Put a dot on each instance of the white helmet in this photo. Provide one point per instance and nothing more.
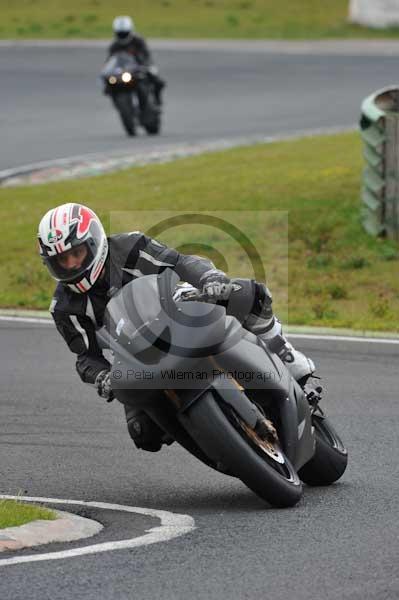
(123, 27)
(68, 227)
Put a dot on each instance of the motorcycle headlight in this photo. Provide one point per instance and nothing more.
(126, 77)
(112, 80)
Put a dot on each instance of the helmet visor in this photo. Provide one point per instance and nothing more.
(70, 266)
(122, 35)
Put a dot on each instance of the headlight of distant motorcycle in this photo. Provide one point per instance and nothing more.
(126, 77)
(112, 80)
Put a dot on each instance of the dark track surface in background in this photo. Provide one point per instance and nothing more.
(57, 439)
(52, 105)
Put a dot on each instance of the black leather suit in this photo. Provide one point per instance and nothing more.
(131, 255)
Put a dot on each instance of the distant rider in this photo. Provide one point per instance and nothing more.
(90, 267)
(126, 40)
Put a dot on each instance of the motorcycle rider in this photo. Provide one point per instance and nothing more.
(126, 40)
(91, 267)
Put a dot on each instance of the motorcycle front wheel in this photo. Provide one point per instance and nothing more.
(231, 443)
(124, 105)
(330, 459)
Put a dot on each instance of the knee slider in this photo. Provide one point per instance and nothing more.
(144, 432)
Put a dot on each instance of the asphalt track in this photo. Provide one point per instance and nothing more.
(52, 106)
(59, 440)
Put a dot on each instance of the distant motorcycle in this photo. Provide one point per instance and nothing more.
(132, 93)
(217, 389)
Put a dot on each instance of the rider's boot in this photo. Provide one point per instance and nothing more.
(159, 85)
(270, 331)
(144, 432)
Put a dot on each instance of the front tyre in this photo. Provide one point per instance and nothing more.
(231, 443)
(124, 105)
(330, 458)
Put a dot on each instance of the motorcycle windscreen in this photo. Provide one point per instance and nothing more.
(117, 63)
(143, 315)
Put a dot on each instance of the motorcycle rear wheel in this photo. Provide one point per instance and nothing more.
(330, 458)
(228, 441)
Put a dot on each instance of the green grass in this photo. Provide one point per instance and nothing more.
(14, 513)
(306, 19)
(336, 275)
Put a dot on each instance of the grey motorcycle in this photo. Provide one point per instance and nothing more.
(218, 390)
(132, 93)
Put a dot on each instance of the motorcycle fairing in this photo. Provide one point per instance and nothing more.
(146, 328)
(118, 62)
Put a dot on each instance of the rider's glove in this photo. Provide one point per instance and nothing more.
(153, 70)
(216, 285)
(103, 385)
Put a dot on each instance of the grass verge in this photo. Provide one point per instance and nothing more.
(298, 201)
(14, 513)
(308, 19)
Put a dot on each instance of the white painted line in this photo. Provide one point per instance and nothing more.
(172, 526)
(60, 162)
(343, 338)
(318, 47)
(43, 321)
(303, 336)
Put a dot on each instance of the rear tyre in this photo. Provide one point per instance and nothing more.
(330, 458)
(123, 104)
(228, 441)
